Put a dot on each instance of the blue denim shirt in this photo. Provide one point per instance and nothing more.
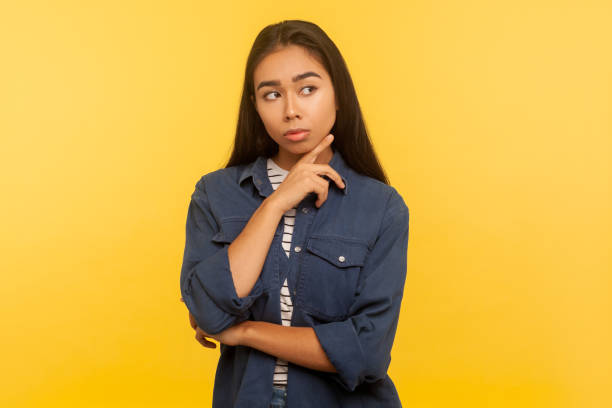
(346, 276)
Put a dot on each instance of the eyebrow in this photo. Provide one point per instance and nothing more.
(294, 79)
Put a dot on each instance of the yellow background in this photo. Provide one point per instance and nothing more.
(492, 119)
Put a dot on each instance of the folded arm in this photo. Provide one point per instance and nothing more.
(297, 345)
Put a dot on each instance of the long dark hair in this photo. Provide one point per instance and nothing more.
(349, 130)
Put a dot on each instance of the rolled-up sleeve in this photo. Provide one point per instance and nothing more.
(206, 282)
(360, 346)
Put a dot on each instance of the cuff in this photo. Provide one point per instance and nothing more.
(342, 346)
(216, 279)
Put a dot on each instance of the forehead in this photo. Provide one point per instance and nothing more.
(285, 63)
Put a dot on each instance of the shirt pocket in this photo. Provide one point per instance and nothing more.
(229, 229)
(329, 274)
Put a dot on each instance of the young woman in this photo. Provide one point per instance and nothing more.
(296, 252)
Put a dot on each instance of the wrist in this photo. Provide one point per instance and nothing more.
(271, 204)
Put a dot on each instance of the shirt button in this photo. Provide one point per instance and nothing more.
(297, 249)
(341, 258)
(305, 210)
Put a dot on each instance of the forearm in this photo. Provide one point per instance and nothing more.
(298, 345)
(247, 253)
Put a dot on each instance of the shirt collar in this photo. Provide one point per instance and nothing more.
(258, 170)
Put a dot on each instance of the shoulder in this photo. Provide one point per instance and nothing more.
(220, 178)
(218, 194)
(371, 208)
(386, 197)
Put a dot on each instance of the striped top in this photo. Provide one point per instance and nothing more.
(276, 175)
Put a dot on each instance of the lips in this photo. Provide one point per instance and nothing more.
(296, 136)
(297, 130)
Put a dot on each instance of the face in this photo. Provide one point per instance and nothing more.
(293, 90)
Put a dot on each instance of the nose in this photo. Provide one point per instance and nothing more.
(290, 108)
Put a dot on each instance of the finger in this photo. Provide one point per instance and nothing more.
(207, 343)
(192, 321)
(182, 300)
(203, 341)
(312, 155)
(329, 171)
(321, 188)
(203, 336)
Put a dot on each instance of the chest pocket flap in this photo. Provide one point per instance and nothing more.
(340, 252)
(230, 229)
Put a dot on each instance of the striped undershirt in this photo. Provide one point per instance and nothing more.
(276, 175)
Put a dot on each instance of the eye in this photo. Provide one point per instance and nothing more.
(265, 96)
(310, 87)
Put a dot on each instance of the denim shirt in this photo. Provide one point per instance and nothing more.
(346, 277)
